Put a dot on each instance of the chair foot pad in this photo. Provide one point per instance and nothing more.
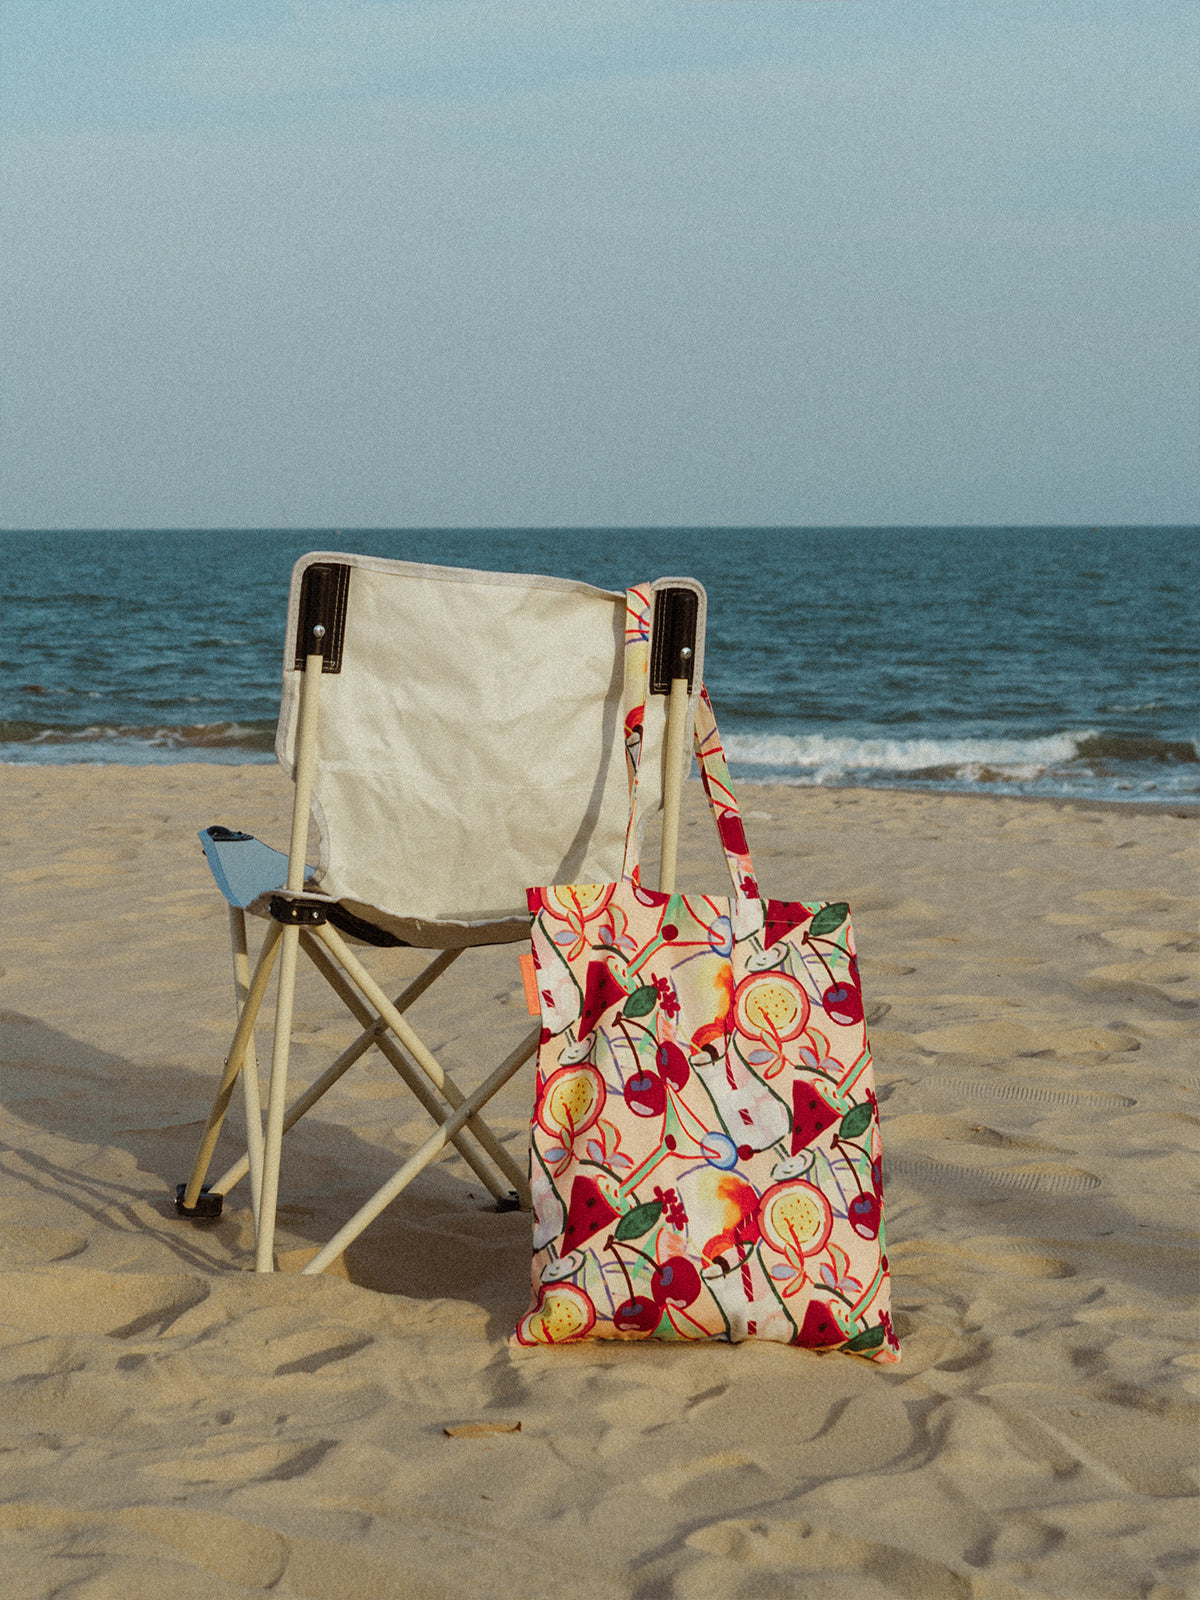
(508, 1202)
(206, 1209)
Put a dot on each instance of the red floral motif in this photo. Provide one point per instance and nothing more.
(668, 998)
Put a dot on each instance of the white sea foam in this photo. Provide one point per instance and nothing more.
(825, 756)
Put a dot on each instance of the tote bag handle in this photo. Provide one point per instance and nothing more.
(714, 770)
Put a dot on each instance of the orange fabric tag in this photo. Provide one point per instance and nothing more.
(529, 979)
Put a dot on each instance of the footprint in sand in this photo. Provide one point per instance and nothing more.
(1014, 1039)
(911, 1129)
(1017, 1257)
(1026, 1094)
(998, 1038)
(1030, 1178)
(969, 1168)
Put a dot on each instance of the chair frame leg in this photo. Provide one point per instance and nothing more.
(421, 1158)
(374, 1034)
(233, 1063)
(250, 1084)
(285, 1005)
(285, 999)
(377, 1032)
(423, 1057)
(305, 1102)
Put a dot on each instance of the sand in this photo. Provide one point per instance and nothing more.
(177, 1426)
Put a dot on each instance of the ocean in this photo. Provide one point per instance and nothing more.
(1060, 662)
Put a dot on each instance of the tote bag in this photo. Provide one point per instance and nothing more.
(704, 1148)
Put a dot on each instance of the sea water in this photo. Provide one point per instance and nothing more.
(1036, 661)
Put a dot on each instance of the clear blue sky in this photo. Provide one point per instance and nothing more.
(429, 262)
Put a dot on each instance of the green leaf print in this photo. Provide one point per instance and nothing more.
(829, 918)
(857, 1120)
(869, 1339)
(641, 1002)
(634, 1224)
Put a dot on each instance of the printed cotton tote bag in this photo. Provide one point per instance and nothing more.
(704, 1149)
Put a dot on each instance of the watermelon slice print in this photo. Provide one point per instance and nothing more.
(587, 1214)
(818, 1328)
(601, 990)
(812, 1115)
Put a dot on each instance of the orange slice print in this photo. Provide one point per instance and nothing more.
(771, 1006)
(578, 901)
(571, 1100)
(795, 1218)
(563, 1313)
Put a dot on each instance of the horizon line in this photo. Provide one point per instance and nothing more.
(615, 527)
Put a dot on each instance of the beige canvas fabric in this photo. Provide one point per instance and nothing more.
(471, 745)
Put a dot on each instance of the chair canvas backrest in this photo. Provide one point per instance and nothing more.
(470, 744)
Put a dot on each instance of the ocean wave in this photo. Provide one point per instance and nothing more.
(912, 756)
(233, 736)
(846, 753)
(1082, 761)
(1134, 747)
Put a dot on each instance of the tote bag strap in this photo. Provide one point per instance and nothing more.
(714, 770)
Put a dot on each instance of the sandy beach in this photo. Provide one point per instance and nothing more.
(176, 1425)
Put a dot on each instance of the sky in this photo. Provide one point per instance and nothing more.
(437, 263)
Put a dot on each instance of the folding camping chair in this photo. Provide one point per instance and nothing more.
(456, 736)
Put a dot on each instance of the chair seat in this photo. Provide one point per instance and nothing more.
(249, 873)
(245, 869)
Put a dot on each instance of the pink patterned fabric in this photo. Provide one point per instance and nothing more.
(704, 1149)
